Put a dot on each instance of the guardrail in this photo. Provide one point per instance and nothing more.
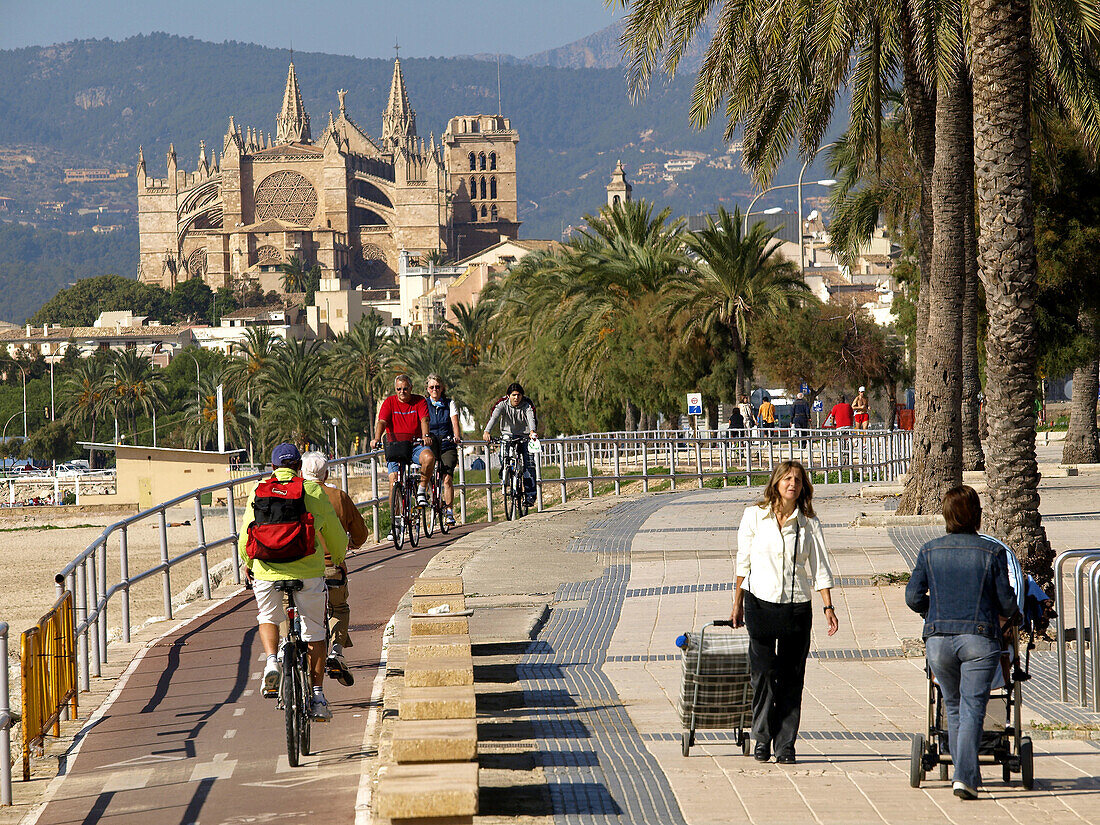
(568, 462)
(48, 677)
(1082, 633)
(5, 720)
(18, 486)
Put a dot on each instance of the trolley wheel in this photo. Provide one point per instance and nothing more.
(746, 745)
(944, 772)
(1006, 771)
(685, 742)
(916, 760)
(1027, 763)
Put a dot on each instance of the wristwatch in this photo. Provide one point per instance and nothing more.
(827, 608)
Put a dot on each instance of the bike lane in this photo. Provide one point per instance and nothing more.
(189, 739)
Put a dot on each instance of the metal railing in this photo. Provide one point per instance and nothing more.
(48, 677)
(1084, 632)
(563, 464)
(5, 720)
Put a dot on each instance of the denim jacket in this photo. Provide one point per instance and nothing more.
(960, 585)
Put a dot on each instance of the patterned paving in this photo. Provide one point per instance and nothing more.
(729, 736)
(596, 764)
(676, 589)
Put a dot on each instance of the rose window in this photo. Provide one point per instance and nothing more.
(286, 196)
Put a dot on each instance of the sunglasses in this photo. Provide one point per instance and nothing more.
(435, 386)
(404, 389)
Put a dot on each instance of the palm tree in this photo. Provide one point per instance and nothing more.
(737, 277)
(84, 395)
(252, 357)
(362, 357)
(1000, 32)
(421, 355)
(201, 414)
(295, 275)
(299, 395)
(133, 387)
(470, 331)
(1081, 445)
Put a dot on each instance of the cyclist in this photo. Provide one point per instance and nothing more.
(445, 430)
(315, 468)
(286, 463)
(404, 416)
(517, 418)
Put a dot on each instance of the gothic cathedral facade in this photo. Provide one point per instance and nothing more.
(343, 201)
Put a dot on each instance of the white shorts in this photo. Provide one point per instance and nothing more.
(310, 601)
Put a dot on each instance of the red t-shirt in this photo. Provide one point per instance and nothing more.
(842, 415)
(403, 420)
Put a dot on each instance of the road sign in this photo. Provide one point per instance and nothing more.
(695, 403)
(818, 405)
(804, 389)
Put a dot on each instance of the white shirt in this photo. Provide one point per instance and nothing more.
(765, 556)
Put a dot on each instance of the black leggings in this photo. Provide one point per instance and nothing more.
(779, 642)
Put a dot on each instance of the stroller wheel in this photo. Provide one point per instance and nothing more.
(944, 772)
(916, 763)
(1006, 771)
(686, 742)
(1027, 764)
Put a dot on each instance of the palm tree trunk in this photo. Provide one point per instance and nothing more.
(1081, 445)
(741, 380)
(938, 430)
(1000, 31)
(972, 455)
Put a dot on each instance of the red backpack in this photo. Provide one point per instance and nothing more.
(282, 530)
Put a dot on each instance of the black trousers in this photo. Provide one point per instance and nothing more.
(779, 642)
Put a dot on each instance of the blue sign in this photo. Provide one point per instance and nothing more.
(804, 389)
(818, 406)
(695, 403)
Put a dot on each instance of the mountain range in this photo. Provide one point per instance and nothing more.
(94, 102)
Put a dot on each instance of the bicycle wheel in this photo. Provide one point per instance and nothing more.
(521, 495)
(414, 511)
(397, 518)
(431, 511)
(509, 493)
(304, 708)
(288, 692)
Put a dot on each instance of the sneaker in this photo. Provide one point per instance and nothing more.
(389, 536)
(318, 709)
(964, 791)
(531, 501)
(272, 673)
(337, 668)
(422, 496)
(450, 518)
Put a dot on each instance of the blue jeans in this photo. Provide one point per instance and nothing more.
(964, 666)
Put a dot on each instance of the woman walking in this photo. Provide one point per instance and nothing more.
(781, 559)
(960, 586)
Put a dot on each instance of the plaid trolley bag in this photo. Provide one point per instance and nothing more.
(715, 691)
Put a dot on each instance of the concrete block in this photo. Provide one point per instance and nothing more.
(1059, 471)
(422, 604)
(424, 647)
(456, 702)
(437, 586)
(439, 671)
(432, 790)
(435, 740)
(439, 626)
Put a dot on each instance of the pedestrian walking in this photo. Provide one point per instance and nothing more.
(737, 421)
(842, 414)
(767, 413)
(859, 409)
(746, 412)
(781, 560)
(960, 586)
(800, 415)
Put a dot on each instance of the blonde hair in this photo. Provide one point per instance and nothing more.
(805, 495)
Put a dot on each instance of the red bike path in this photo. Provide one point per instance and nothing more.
(189, 740)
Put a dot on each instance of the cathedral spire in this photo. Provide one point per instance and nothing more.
(292, 122)
(399, 119)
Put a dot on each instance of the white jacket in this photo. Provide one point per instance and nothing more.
(765, 556)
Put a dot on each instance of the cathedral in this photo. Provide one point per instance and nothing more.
(344, 201)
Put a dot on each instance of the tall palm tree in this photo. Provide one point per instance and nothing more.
(201, 414)
(133, 388)
(84, 395)
(470, 331)
(1000, 40)
(295, 275)
(299, 394)
(251, 358)
(362, 357)
(736, 277)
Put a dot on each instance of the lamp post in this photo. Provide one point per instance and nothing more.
(4, 438)
(801, 234)
(752, 203)
(335, 443)
(198, 394)
(24, 372)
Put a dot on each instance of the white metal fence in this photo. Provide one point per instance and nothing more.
(568, 466)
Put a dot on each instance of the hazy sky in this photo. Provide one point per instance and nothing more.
(362, 29)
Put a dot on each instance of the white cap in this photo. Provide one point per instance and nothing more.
(863, 389)
(314, 466)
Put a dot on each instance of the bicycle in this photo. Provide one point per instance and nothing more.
(403, 507)
(511, 479)
(295, 686)
(436, 512)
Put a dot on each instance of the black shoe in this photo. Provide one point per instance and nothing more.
(762, 752)
(785, 758)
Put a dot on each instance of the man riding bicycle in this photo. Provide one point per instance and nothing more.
(320, 523)
(446, 432)
(517, 419)
(402, 417)
(315, 468)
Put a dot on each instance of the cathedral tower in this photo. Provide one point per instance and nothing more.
(292, 122)
(399, 119)
(618, 191)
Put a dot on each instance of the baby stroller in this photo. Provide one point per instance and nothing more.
(1003, 745)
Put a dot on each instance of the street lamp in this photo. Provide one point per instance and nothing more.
(801, 234)
(335, 443)
(24, 397)
(752, 203)
(198, 394)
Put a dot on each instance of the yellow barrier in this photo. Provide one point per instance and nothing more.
(48, 655)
